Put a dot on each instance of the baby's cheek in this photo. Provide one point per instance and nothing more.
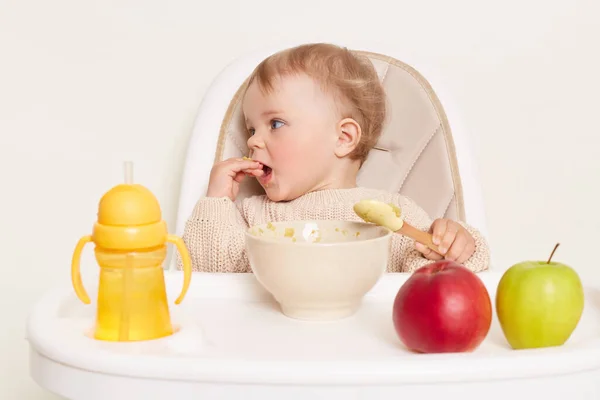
(290, 156)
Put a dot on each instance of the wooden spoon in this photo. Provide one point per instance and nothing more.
(389, 216)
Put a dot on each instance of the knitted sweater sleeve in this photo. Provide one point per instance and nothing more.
(405, 257)
(214, 236)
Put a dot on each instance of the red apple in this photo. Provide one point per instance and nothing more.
(442, 307)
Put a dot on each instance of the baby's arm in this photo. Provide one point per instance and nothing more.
(406, 258)
(214, 236)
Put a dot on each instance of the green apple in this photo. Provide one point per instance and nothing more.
(539, 303)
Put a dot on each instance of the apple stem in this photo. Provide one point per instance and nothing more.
(551, 254)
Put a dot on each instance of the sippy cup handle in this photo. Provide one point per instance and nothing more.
(75, 273)
(187, 267)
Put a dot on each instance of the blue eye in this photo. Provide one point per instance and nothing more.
(275, 124)
(251, 131)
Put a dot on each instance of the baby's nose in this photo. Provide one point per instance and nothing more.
(255, 142)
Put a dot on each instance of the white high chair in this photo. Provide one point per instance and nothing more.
(233, 342)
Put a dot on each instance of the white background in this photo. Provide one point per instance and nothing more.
(86, 84)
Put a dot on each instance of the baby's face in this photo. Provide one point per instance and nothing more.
(293, 133)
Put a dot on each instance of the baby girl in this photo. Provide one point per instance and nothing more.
(312, 113)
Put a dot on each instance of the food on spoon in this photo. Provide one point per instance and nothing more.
(289, 232)
(390, 216)
(380, 213)
(443, 307)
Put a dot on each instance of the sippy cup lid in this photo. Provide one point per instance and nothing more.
(128, 204)
(129, 217)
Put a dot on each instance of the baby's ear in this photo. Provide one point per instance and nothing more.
(349, 134)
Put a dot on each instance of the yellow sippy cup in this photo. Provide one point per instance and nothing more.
(130, 238)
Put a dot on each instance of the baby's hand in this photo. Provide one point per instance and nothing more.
(453, 240)
(226, 176)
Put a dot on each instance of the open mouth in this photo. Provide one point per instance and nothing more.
(266, 177)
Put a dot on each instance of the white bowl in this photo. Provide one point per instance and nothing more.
(318, 270)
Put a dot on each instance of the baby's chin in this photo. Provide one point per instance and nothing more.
(277, 195)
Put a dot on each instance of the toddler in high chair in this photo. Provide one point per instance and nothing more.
(312, 113)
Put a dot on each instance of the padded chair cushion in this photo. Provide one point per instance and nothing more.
(415, 155)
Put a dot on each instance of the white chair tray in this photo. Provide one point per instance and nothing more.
(232, 341)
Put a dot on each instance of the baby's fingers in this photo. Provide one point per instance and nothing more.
(448, 238)
(439, 230)
(235, 167)
(240, 164)
(467, 252)
(457, 249)
(427, 252)
(254, 172)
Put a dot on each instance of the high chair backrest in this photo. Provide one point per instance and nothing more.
(422, 153)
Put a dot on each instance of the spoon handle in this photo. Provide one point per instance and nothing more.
(419, 236)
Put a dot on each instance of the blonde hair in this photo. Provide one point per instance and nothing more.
(351, 76)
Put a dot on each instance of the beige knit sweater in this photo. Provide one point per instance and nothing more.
(214, 233)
